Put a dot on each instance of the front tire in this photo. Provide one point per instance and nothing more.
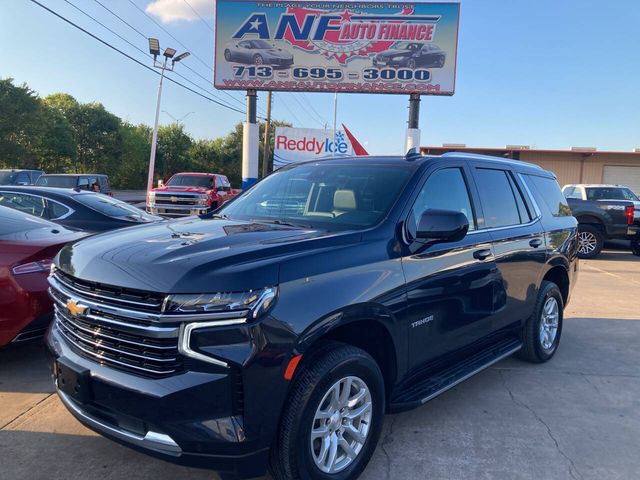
(411, 63)
(333, 416)
(542, 330)
(590, 241)
(227, 55)
(258, 60)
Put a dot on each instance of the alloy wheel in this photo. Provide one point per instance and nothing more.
(341, 424)
(587, 243)
(549, 323)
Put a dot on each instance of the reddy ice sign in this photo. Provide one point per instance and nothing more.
(337, 46)
(301, 144)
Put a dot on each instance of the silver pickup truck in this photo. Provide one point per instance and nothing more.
(604, 212)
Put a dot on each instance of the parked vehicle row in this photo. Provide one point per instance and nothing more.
(604, 212)
(260, 336)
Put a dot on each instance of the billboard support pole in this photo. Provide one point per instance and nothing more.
(335, 117)
(250, 141)
(265, 145)
(412, 137)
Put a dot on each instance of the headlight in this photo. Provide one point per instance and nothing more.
(397, 59)
(254, 302)
(151, 196)
(203, 199)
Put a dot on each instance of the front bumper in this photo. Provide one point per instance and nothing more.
(177, 210)
(389, 63)
(192, 418)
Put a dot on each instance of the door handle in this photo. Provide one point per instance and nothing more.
(482, 254)
(535, 243)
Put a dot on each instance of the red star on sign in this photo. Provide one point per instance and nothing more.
(346, 16)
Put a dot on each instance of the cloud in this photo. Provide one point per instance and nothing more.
(173, 10)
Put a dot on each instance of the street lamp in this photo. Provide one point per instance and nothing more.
(154, 49)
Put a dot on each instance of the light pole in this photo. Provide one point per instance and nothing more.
(154, 49)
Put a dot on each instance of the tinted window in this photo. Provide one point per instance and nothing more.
(7, 178)
(497, 197)
(56, 210)
(572, 192)
(23, 179)
(445, 189)
(331, 196)
(59, 182)
(547, 192)
(112, 208)
(524, 212)
(610, 193)
(25, 203)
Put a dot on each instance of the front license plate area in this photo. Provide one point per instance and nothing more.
(73, 380)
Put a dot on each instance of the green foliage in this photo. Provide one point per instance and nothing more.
(58, 134)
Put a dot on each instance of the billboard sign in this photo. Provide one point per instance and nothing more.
(371, 47)
(293, 145)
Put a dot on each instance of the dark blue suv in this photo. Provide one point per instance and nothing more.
(278, 330)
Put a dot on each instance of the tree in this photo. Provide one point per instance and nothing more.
(20, 124)
(172, 151)
(95, 131)
(56, 150)
(131, 173)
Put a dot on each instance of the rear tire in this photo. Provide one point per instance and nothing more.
(334, 370)
(540, 338)
(590, 241)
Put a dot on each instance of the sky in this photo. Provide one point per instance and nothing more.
(544, 73)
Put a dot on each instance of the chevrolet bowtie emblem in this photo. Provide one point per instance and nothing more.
(174, 199)
(76, 308)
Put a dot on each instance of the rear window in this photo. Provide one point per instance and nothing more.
(610, 193)
(112, 208)
(498, 198)
(14, 221)
(58, 182)
(547, 192)
(7, 178)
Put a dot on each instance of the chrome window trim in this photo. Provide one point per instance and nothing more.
(70, 211)
(184, 345)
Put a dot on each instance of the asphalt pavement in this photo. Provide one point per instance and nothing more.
(576, 417)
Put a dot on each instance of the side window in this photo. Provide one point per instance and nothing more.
(523, 210)
(547, 192)
(83, 183)
(497, 196)
(56, 210)
(26, 203)
(445, 189)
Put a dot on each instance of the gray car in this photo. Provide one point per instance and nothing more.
(257, 52)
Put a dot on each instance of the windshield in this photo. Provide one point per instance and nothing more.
(326, 196)
(190, 181)
(58, 182)
(7, 178)
(261, 44)
(113, 208)
(613, 193)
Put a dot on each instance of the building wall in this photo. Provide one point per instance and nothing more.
(572, 167)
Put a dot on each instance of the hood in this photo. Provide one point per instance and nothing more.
(279, 53)
(181, 189)
(394, 53)
(194, 255)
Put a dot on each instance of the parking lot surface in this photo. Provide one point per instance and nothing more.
(576, 417)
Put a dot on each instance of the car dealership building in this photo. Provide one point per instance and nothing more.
(577, 165)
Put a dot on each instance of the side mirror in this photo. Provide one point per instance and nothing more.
(442, 226)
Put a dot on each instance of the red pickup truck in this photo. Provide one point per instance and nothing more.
(190, 194)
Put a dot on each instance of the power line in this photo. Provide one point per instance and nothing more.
(290, 111)
(199, 16)
(308, 114)
(308, 102)
(121, 19)
(107, 44)
(146, 54)
(209, 67)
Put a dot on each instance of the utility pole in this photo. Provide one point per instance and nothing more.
(154, 49)
(335, 118)
(266, 154)
(250, 142)
(412, 137)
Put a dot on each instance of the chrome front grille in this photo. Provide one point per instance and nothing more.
(115, 327)
(176, 199)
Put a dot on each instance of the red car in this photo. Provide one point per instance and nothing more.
(190, 194)
(27, 245)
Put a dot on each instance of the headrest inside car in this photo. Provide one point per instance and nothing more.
(344, 200)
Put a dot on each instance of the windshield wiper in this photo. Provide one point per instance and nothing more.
(281, 222)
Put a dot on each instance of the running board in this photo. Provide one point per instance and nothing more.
(422, 391)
